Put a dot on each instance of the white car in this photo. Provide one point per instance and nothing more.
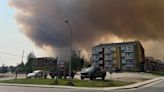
(36, 74)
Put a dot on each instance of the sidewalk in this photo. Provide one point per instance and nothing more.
(136, 85)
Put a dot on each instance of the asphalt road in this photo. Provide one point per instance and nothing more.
(157, 87)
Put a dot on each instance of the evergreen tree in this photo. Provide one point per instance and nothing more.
(30, 62)
(77, 62)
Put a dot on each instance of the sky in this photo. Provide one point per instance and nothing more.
(13, 42)
(38, 26)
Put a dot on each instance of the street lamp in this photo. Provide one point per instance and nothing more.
(67, 22)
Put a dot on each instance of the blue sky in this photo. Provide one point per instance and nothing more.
(12, 41)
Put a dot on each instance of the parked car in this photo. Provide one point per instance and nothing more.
(37, 74)
(92, 72)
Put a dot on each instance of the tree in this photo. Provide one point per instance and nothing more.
(86, 64)
(77, 61)
(21, 68)
(4, 69)
(30, 62)
(11, 69)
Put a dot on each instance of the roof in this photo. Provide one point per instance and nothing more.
(46, 58)
(118, 44)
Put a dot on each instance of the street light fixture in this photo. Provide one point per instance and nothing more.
(67, 22)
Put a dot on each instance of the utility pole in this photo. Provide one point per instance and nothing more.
(16, 72)
(70, 29)
(22, 56)
(79, 53)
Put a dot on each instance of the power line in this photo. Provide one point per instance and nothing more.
(13, 47)
(16, 44)
(10, 54)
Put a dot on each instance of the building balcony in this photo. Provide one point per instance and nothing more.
(101, 62)
(108, 58)
(123, 54)
(108, 65)
(94, 59)
(128, 50)
(108, 52)
(129, 57)
(95, 52)
(129, 65)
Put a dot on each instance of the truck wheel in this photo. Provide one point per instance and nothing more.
(82, 78)
(91, 78)
(103, 77)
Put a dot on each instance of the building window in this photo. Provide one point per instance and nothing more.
(123, 48)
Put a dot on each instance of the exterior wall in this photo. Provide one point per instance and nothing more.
(125, 56)
(118, 56)
(95, 56)
(139, 57)
(153, 65)
(110, 57)
(161, 66)
(46, 63)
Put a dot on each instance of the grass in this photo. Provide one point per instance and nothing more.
(3, 76)
(144, 79)
(158, 73)
(64, 82)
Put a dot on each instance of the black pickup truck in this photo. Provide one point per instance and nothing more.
(92, 72)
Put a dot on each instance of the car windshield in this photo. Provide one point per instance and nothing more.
(89, 68)
(37, 71)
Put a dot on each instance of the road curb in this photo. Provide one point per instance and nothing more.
(132, 86)
(137, 85)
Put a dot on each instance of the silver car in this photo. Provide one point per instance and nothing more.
(37, 74)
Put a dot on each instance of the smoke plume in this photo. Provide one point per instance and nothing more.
(93, 22)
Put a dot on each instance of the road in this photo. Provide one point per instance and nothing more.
(156, 87)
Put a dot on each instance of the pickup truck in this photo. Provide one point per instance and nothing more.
(92, 72)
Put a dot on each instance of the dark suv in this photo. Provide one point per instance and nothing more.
(92, 72)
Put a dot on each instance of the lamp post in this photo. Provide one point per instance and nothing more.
(70, 28)
(16, 72)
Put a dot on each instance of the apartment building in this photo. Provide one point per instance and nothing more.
(127, 56)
